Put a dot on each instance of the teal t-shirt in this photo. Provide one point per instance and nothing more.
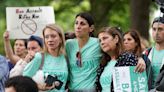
(83, 78)
(157, 57)
(55, 66)
(106, 76)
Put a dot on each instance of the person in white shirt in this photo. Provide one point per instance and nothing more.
(34, 44)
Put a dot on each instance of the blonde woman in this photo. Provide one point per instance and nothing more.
(55, 64)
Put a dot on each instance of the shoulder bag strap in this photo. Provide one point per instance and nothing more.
(42, 62)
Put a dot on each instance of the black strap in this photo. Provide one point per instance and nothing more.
(147, 51)
(41, 65)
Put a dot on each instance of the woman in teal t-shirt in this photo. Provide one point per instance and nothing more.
(84, 55)
(112, 46)
(54, 60)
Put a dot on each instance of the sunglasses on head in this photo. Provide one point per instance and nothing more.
(158, 19)
(78, 59)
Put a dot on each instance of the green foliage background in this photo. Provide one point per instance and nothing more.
(65, 11)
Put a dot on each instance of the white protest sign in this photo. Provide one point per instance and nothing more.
(126, 80)
(25, 21)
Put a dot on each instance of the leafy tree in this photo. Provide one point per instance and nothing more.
(110, 12)
(121, 13)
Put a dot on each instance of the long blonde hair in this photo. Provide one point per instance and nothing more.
(59, 30)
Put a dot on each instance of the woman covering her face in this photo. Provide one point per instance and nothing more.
(83, 54)
(55, 64)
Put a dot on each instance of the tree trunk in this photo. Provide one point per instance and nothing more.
(100, 11)
(140, 16)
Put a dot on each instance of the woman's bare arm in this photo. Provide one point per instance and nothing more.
(8, 49)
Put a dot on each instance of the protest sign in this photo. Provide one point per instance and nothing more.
(23, 22)
(126, 80)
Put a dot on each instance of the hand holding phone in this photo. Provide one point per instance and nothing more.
(58, 84)
(51, 79)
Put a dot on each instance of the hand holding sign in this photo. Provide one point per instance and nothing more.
(6, 35)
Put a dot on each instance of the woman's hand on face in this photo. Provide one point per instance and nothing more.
(141, 66)
(29, 56)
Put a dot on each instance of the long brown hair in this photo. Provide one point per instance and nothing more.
(136, 36)
(113, 31)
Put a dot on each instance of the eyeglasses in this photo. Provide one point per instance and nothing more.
(78, 59)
